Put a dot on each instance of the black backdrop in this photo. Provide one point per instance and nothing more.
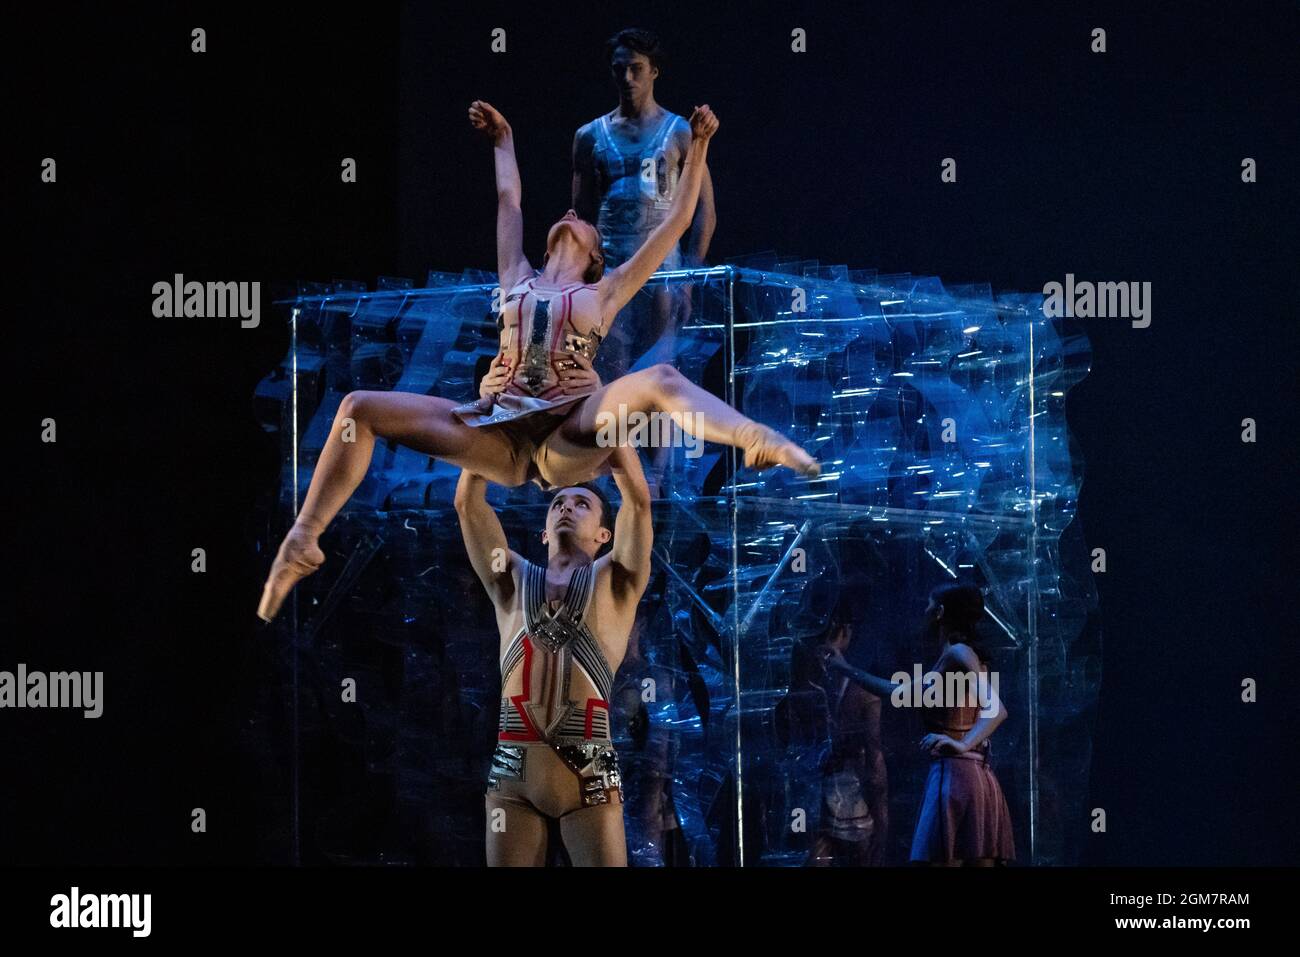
(1122, 166)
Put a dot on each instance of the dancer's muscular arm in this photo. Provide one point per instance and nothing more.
(512, 264)
(585, 198)
(485, 540)
(705, 222)
(621, 284)
(706, 214)
(633, 529)
(878, 686)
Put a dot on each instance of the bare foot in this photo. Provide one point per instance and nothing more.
(298, 557)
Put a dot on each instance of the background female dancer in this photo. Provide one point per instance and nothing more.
(964, 817)
(533, 429)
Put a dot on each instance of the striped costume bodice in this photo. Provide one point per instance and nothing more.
(555, 681)
(538, 333)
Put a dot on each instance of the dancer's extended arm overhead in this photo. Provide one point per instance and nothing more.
(512, 264)
(485, 541)
(633, 529)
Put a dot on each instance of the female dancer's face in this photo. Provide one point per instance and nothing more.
(579, 230)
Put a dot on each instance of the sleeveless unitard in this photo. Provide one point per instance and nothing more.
(636, 188)
(555, 691)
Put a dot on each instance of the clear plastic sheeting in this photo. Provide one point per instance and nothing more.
(938, 416)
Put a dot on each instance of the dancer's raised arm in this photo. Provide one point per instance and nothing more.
(621, 284)
(485, 540)
(512, 264)
(633, 529)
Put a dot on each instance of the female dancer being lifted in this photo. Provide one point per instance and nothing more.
(544, 424)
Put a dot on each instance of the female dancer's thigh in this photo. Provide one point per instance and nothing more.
(634, 392)
(577, 449)
(426, 424)
(561, 461)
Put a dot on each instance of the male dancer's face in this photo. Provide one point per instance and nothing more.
(633, 75)
(574, 521)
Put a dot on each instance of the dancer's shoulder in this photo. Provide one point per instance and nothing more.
(525, 279)
(961, 654)
(588, 130)
(678, 129)
(679, 123)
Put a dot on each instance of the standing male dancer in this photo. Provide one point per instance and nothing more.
(625, 169)
(564, 630)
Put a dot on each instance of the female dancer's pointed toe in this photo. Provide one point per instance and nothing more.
(272, 599)
(299, 556)
(765, 447)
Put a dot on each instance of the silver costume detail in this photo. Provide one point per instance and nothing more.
(596, 765)
(507, 762)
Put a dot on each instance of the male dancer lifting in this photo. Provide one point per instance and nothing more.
(564, 629)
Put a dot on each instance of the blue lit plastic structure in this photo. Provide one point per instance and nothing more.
(938, 416)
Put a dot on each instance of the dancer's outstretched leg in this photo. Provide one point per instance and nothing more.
(421, 422)
(661, 388)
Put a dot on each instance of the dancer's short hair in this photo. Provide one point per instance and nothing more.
(963, 607)
(606, 510)
(839, 617)
(638, 41)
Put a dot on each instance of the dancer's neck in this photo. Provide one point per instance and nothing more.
(640, 110)
(563, 559)
(566, 263)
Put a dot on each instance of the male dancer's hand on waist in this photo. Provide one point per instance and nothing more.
(497, 377)
(577, 375)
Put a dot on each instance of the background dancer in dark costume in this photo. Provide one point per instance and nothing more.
(854, 825)
(963, 817)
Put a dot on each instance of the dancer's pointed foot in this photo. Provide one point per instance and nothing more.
(765, 447)
(298, 557)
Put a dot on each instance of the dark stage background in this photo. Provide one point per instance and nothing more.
(1122, 166)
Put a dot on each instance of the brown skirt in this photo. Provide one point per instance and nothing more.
(964, 814)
